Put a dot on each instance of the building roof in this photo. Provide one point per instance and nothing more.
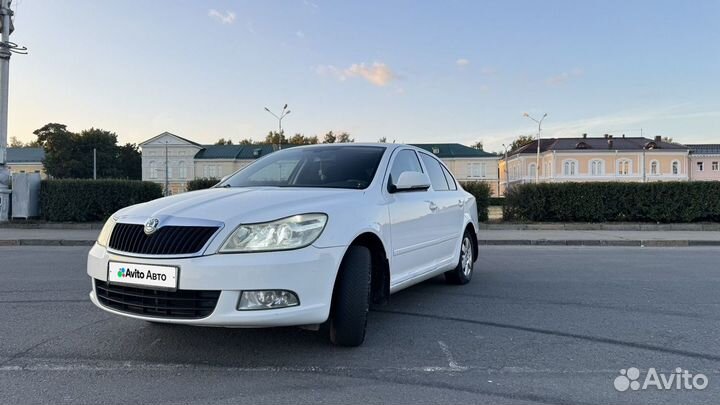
(704, 148)
(25, 155)
(597, 143)
(453, 150)
(170, 134)
(236, 151)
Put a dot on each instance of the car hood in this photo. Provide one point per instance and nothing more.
(240, 205)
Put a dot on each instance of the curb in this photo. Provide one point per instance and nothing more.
(580, 226)
(51, 225)
(46, 242)
(595, 242)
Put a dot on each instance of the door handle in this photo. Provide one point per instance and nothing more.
(461, 203)
(433, 206)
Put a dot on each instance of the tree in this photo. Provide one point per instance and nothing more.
(300, 139)
(70, 155)
(222, 141)
(382, 140)
(344, 138)
(478, 145)
(16, 143)
(129, 162)
(275, 138)
(521, 141)
(246, 141)
(60, 150)
(105, 145)
(329, 137)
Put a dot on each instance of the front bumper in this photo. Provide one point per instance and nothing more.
(309, 272)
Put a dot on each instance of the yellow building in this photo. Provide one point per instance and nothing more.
(607, 158)
(26, 160)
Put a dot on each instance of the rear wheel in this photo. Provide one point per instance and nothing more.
(462, 273)
(351, 298)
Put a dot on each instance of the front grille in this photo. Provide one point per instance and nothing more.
(168, 240)
(180, 304)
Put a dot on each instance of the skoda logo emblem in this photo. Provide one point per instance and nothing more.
(151, 226)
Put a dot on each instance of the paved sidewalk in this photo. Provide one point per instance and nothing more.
(74, 237)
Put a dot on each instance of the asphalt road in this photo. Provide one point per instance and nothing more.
(537, 324)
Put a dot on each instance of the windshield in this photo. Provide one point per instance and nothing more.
(325, 167)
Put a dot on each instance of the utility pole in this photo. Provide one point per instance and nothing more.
(167, 181)
(282, 115)
(507, 172)
(6, 49)
(537, 160)
(94, 163)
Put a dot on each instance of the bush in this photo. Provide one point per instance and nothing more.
(497, 201)
(613, 201)
(92, 200)
(481, 191)
(202, 183)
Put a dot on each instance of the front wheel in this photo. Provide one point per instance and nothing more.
(462, 273)
(351, 298)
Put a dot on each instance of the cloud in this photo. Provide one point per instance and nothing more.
(310, 4)
(225, 18)
(300, 34)
(462, 62)
(564, 77)
(378, 73)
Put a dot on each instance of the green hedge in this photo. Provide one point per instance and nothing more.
(613, 201)
(81, 200)
(481, 191)
(497, 201)
(202, 183)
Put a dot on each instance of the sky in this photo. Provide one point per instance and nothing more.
(411, 71)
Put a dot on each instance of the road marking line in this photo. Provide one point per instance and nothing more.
(448, 355)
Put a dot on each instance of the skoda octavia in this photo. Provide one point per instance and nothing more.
(308, 236)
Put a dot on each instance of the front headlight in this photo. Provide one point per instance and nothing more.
(104, 237)
(283, 234)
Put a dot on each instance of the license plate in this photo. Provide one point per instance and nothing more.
(143, 275)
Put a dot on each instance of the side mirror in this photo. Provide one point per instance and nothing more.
(411, 181)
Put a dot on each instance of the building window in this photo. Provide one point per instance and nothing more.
(654, 167)
(624, 167)
(569, 168)
(211, 171)
(597, 167)
(675, 167)
(548, 171)
(532, 170)
(182, 170)
(476, 169)
(715, 166)
(153, 170)
(700, 166)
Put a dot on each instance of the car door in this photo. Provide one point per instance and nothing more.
(448, 214)
(411, 227)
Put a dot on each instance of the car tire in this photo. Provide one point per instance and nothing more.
(462, 273)
(351, 298)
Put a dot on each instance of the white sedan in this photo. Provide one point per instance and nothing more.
(305, 236)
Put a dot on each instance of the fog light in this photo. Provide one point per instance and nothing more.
(267, 299)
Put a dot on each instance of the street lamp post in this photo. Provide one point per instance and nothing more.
(280, 117)
(537, 160)
(6, 49)
(167, 180)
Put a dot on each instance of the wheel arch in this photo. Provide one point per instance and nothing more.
(380, 276)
